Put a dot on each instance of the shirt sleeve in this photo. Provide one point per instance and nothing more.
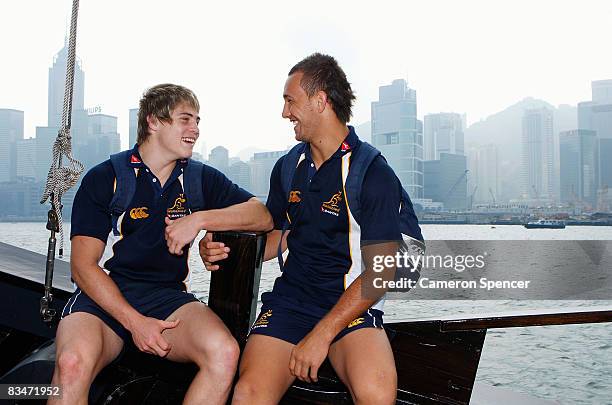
(276, 202)
(90, 212)
(380, 203)
(221, 192)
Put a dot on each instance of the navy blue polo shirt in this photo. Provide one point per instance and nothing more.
(140, 253)
(320, 251)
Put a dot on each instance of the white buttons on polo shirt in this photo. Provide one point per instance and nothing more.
(154, 180)
(312, 165)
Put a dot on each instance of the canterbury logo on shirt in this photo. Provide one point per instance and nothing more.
(355, 322)
(139, 213)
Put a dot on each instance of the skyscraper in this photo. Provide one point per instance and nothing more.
(219, 159)
(444, 133)
(398, 134)
(578, 158)
(601, 91)
(604, 172)
(103, 139)
(240, 173)
(133, 135)
(26, 159)
(538, 178)
(55, 107)
(484, 176)
(262, 164)
(11, 131)
(446, 181)
(596, 115)
(45, 137)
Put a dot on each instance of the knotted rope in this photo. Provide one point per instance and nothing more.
(61, 178)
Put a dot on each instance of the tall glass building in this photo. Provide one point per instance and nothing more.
(398, 134)
(444, 133)
(596, 115)
(578, 161)
(11, 131)
(57, 85)
(133, 128)
(538, 177)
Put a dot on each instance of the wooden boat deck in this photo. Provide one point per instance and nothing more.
(31, 266)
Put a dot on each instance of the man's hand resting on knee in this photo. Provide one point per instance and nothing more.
(147, 334)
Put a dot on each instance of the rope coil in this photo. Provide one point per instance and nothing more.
(61, 178)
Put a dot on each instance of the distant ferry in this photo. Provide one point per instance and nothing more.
(545, 224)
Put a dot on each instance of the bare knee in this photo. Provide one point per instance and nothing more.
(245, 392)
(72, 368)
(221, 356)
(381, 389)
(381, 393)
(227, 353)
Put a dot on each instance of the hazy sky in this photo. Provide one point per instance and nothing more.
(473, 57)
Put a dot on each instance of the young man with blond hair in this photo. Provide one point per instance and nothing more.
(136, 292)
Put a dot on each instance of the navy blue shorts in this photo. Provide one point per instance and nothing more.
(290, 321)
(147, 298)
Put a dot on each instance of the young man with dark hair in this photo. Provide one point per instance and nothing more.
(317, 308)
(135, 291)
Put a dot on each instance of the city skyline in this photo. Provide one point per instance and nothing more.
(476, 74)
(595, 112)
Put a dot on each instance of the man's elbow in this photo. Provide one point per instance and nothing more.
(263, 219)
(75, 272)
(264, 222)
(267, 224)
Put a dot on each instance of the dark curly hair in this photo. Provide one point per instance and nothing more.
(322, 73)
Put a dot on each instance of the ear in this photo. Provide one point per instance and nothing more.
(153, 122)
(321, 98)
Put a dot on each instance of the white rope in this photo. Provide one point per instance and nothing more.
(61, 178)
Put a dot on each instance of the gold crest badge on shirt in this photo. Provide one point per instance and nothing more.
(178, 210)
(331, 206)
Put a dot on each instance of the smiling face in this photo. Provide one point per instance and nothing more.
(299, 108)
(178, 136)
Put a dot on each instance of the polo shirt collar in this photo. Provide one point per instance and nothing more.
(134, 159)
(349, 143)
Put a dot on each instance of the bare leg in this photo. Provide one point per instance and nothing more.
(364, 362)
(264, 371)
(202, 338)
(84, 346)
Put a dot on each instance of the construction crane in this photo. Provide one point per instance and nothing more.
(492, 195)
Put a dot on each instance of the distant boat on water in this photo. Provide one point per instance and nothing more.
(545, 224)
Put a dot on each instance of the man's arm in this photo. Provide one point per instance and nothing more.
(251, 215)
(87, 274)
